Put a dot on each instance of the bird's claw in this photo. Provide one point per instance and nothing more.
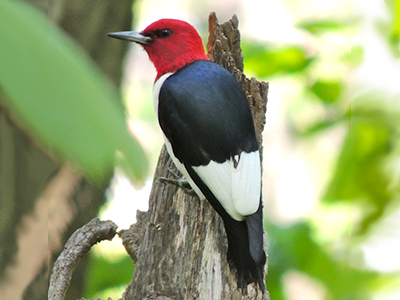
(178, 181)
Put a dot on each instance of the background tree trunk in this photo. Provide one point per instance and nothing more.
(39, 193)
(179, 245)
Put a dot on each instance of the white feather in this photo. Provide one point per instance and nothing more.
(246, 183)
(156, 90)
(182, 169)
(237, 189)
(236, 183)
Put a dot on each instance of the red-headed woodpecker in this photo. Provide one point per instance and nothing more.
(209, 133)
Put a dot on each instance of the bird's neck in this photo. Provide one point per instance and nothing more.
(171, 63)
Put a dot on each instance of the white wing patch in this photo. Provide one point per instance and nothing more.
(236, 183)
(237, 189)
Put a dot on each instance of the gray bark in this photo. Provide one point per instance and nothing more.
(80, 242)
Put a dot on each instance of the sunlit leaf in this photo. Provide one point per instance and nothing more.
(108, 274)
(61, 97)
(319, 126)
(293, 248)
(360, 173)
(327, 91)
(318, 27)
(396, 27)
(354, 57)
(265, 61)
(391, 28)
(364, 144)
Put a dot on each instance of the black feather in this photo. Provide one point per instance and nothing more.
(205, 115)
(245, 243)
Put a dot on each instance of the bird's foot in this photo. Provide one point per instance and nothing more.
(178, 181)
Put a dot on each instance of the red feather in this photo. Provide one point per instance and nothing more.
(182, 47)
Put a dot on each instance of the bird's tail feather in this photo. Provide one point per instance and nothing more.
(255, 231)
(245, 250)
(245, 239)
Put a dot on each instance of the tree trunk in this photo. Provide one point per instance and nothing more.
(179, 245)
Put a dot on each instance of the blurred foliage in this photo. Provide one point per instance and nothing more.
(108, 275)
(327, 91)
(360, 174)
(321, 26)
(266, 61)
(360, 180)
(61, 98)
(294, 248)
(391, 29)
(354, 57)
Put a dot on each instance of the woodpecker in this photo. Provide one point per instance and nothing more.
(209, 133)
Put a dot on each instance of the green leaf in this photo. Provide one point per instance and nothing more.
(354, 57)
(317, 127)
(108, 274)
(318, 27)
(266, 61)
(293, 248)
(327, 91)
(60, 97)
(360, 173)
(393, 32)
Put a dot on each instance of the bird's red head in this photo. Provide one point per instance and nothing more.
(170, 44)
(174, 44)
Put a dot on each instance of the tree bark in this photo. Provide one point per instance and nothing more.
(179, 245)
(80, 242)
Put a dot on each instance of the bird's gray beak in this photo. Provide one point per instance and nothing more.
(131, 36)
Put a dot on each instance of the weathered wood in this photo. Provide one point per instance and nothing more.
(80, 242)
(179, 245)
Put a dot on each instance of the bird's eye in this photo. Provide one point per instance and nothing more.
(164, 33)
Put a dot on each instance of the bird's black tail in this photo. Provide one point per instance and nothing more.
(245, 239)
(245, 249)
